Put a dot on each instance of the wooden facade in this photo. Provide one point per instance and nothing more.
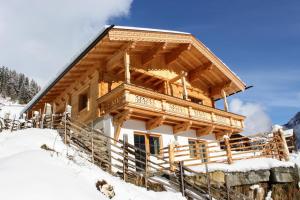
(155, 76)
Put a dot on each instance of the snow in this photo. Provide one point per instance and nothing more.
(269, 195)
(30, 173)
(6, 106)
(148, 29)
(244, 165)
(295, 157)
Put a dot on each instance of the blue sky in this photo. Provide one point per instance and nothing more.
(258, 39)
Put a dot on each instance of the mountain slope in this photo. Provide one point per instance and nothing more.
(294, 123)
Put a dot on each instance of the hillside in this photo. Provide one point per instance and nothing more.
(31, 173)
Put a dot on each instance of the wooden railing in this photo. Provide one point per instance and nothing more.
(225, 152)
(145, 99)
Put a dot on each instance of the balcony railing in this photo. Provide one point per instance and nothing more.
(132, 96)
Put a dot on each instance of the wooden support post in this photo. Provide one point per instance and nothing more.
(171, 157)
(228, 149)
(183, 81)
(225, 100)
(127, 67)
(276, 138)
(285, 148)
(125, 156)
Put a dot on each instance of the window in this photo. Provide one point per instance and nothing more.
(198, 150)
(154, 144)
(196, 100)
(193, 148)
(83, 101)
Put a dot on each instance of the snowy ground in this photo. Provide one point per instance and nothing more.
(30, 173)
(6, 106)
(245, 165)
(295, 157)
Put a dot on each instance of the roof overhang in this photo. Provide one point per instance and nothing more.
(128, 35)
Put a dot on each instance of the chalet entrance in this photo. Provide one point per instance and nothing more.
(140, 155)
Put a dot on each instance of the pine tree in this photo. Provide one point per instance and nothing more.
(17, 86)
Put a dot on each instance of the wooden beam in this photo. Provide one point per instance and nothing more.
(205, 131)
(127, 67)
(182, 127)
(115, 59)
(171, 57)
(179, 76)
(225, 100)
(155, 122)
(118, 121)
(199, 71)
(183, 81)
(150, 55)
(217, 90)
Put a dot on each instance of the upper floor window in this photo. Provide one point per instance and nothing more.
(83, 101)
(196, 100)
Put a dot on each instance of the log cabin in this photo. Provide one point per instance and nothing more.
(158, 87)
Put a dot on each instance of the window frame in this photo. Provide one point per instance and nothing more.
(147, 142)
(200, 154)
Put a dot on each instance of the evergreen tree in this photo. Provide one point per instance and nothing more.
(17, 86)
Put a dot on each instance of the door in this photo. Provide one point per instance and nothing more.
(140, 155)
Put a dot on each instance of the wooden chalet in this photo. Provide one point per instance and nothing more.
(159, 87)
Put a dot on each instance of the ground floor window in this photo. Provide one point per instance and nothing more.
(154, 144)
(198, 149)
(150, 143)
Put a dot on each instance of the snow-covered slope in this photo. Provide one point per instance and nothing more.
(6, 106)
(28, 172)
(294, 123)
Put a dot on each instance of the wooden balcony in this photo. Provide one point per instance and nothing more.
(130, 101)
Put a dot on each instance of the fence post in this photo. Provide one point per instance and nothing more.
(228, 149)
(125, 156)
(65, 126)
(92, 142)
(208, 181)
(171, 157)
(285, 149)
(181, 178)
(146, 172)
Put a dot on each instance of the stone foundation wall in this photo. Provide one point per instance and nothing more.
(278, 183)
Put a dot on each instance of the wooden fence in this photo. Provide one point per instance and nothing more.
(120, 158)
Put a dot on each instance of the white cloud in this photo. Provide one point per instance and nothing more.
(39, 37)
(257, 120)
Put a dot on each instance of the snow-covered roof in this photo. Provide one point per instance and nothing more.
(149, 29)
